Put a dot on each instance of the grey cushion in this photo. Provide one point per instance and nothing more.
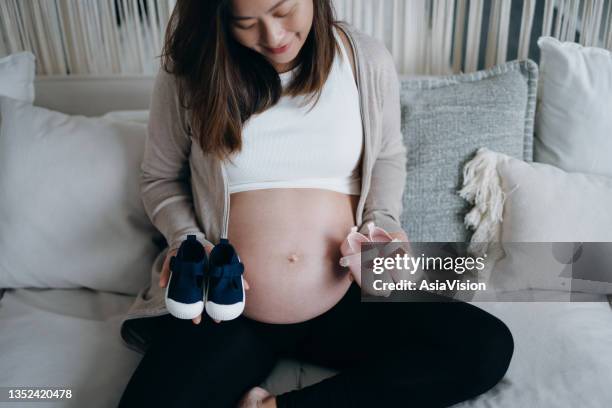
(444, 121)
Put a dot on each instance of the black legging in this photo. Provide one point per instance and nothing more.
(417, 354)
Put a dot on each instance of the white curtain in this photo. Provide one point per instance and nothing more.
(86, 37)
(106, 37)
(443, 36)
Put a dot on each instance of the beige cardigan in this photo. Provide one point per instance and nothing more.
(179, 205)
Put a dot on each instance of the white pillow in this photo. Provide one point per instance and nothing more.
(574, 115)
(70, 208)
(138, 116)
(17, 73)
(531, 210)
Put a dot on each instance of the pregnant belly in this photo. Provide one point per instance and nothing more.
(289, 241)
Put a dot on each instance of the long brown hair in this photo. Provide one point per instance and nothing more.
(223, 83)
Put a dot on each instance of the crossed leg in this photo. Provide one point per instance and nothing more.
(425, 354)
(205, 365)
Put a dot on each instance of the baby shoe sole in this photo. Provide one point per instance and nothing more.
(183, 310)
(225, 312)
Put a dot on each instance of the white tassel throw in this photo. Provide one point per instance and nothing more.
(482, 187)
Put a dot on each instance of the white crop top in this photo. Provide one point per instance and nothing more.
(287, 146)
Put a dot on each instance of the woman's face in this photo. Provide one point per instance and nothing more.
(277, 29)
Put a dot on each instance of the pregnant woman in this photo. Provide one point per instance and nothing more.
(277, 127)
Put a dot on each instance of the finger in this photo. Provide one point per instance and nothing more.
(163, 280)
(197, 320)
(246, 285)
(217, 321)
(165, 274)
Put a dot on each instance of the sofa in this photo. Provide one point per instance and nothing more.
(60, 316)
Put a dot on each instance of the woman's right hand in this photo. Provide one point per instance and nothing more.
(165, 274)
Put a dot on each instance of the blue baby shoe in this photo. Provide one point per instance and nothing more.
(225, 288)
(185, 291)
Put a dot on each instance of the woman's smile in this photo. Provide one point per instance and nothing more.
(279, 50)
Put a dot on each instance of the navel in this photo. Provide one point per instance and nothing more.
(293, 257)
